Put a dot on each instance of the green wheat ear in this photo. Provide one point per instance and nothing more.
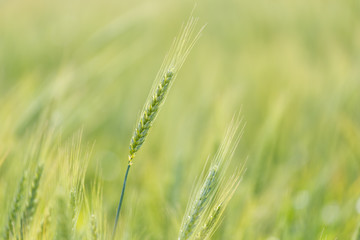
(149, 114)
(209, 201)
(31, 202)
(210, 222)
(94, 228)
(15, 209)
(200, 203)
(163, 81)
(224, 195)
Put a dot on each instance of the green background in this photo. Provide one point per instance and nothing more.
(292, 67)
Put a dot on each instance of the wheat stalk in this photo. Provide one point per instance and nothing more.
(163, 81)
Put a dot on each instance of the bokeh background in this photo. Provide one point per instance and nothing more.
(292, 67)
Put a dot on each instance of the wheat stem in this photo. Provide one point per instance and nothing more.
(121, 200)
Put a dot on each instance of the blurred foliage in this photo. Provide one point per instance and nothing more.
(292, 66)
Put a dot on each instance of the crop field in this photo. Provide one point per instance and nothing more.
(231, 120)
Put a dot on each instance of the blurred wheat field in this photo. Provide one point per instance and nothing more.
(293, 67)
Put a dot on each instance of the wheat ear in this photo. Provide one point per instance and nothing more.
(31, 202)
(165, 77)
(201, 202)
(210, 222)
(94, 227)
(214, 217)
(15, 208)
(214, 192)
